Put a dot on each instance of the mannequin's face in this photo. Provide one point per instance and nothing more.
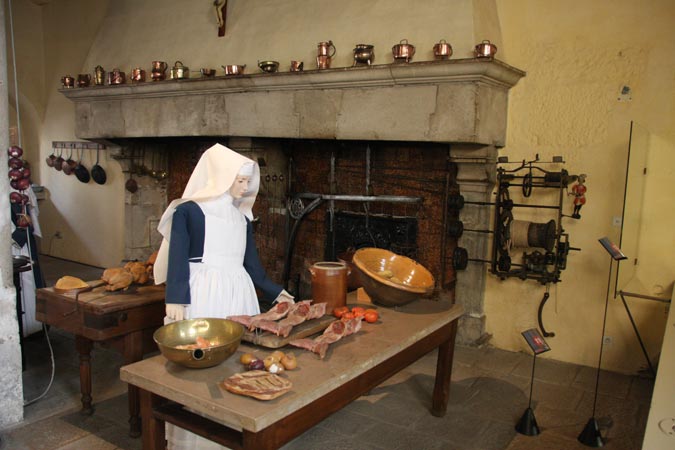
(240, 186)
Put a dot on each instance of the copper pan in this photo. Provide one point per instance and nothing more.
(234, 69)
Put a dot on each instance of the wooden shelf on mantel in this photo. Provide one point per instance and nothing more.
(493, 72)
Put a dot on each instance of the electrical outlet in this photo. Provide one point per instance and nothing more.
(616, 221)
(607, 340)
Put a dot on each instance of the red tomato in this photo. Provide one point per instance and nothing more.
(340, 311)
(371, 316)
(358, 311)
(347, 316)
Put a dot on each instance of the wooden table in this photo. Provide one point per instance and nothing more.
(352, 367)
(124, 320)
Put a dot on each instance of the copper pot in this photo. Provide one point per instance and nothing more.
(323, 62)
(137, 75)
(116, 77)
(83, 80)
(326, 49)
(234, 69)
(442, 50)
(403, 51)
(485, 50)
(297, 66)
(68, 81)
(329, 283)
(158, 70)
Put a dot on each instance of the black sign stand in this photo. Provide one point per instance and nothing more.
(590, 435)
(527, 424)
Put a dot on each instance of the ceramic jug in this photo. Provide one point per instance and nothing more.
(329, 284)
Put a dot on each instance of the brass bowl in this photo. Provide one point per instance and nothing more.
(268, 66)
(224, 334)
(390, 279)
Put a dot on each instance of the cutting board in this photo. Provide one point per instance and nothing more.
(269, 340)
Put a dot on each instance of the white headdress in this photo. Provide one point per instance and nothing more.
(213, 176)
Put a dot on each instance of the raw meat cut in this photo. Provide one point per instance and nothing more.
(335, 331)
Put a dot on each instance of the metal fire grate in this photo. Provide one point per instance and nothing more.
(353, 230)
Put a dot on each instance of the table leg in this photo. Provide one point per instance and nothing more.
(153, 428)
(446, 353)
(133, 351)
(83, 346)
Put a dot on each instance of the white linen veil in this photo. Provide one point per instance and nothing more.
(213, 176)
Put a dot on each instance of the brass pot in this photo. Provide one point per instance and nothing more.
(403, 51)
(442, 50)
(179, 71)
(485, 50)
(224, 335)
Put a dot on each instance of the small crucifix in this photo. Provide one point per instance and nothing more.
(221, 14)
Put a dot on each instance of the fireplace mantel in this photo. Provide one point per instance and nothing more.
(462, 100)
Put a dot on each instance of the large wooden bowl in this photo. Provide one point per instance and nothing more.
(224, 335)
(391, 279)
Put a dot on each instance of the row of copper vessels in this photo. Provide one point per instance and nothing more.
(363, 54)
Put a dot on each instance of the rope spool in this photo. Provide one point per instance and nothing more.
(531, 234)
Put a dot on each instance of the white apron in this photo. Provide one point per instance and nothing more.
(219, 287)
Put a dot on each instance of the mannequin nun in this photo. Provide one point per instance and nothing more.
(208, 257)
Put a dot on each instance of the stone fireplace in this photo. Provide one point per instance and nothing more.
(348, 157)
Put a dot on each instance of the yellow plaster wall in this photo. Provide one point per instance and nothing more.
(578, 55)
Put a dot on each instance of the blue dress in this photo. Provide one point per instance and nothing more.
(186, 248)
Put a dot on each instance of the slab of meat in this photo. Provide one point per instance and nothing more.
(335, 331)
(244, 320)
(277, 312)
(300, 312)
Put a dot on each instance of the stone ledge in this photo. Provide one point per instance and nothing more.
(491, 72)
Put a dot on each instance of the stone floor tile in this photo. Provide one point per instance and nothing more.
(90, 442)
(497, 400)
(640, 390)
(348, 423)
(47, 434)
(547, 370)
(501, 361)
(467, 356)
(322, 438)
(545, 441)
(556, 396)
(612, 383)
(397, 409)
(619, 410)
(399, 437)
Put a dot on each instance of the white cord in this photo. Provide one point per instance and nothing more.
(51, 379)
(16, 86)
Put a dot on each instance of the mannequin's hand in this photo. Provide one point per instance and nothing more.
(284, 297)
(175, 311)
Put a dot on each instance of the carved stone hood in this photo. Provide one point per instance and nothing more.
(462, 100)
